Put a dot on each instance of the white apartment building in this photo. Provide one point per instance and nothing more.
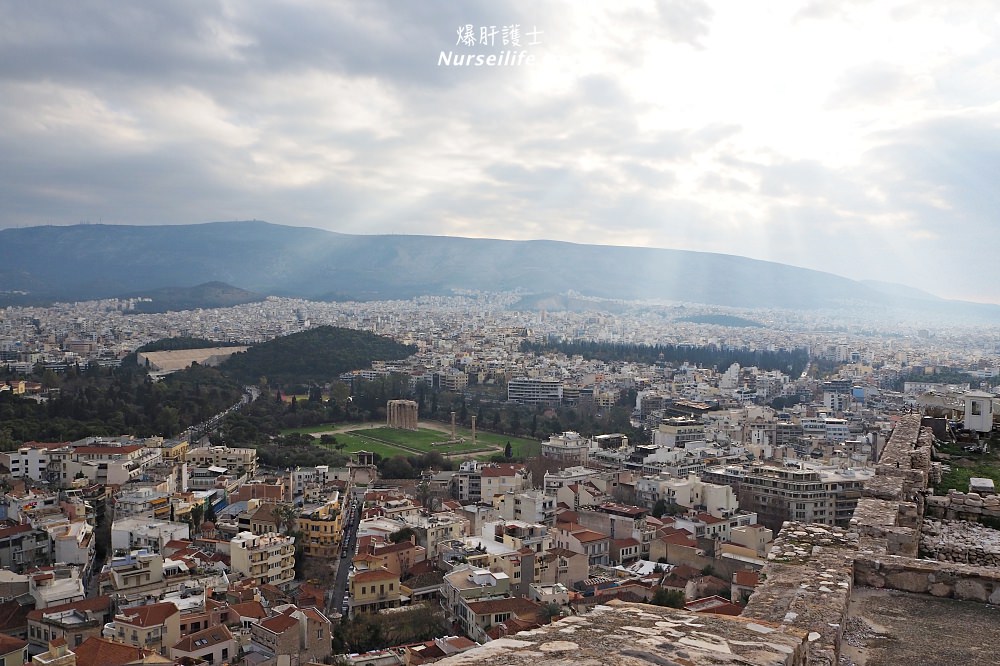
(535, 391)
(233, 459)
(31, 461)
(532, 506)
(678, 431)
(569, 447)
(130, 534)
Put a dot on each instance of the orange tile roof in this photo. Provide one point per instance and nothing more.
(278, 623)
(10, 644)
(151, 615)
(102, 603)
(746, 578)
(213, 635)
(100, 652)
(249, 609)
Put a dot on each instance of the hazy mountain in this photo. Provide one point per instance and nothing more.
(91, 261)
(900, 290)
(207, 295)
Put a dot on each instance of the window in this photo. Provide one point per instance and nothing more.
(977, 408)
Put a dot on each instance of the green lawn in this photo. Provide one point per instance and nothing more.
(308, 430)
(353, 444)
(419, 440)
(966, 465)
(389, 442)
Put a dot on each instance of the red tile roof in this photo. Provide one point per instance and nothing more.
(151, 615)
(278, 623)
(100, 652)
(746, 578)
(10, 644)
(97, 604)
(212, 636)
(249, 609)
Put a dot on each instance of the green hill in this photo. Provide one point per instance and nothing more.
(318, 355)
(207, 295)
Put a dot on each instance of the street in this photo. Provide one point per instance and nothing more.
(335, 597)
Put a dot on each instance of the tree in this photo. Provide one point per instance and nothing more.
(669, 598)
(508, 451)
(397, 467)
(551, 610)
(196, 515)
(659, 508)
(425, 495)
(287, 517)
(404, 534)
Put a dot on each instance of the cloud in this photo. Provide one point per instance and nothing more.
(679, 124)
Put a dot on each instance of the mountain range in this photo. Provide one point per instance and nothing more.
(88, 261)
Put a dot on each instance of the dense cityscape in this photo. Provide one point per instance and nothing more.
(422, 536)
(674, 340)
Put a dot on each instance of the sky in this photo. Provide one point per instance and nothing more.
(856, 137)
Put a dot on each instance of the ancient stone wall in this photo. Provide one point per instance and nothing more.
(960, 541)
(964, 506)
(940, 579)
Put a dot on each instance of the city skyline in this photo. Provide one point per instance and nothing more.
(851, 139)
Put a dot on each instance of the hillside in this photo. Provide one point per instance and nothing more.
(92, 261)
(207, 295)
(318, 355)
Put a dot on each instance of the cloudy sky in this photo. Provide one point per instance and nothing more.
(849, 136)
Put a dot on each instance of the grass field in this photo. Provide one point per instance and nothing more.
(308, 430)
(389, 442)
(418, 441)
(353, 444)
(965, 465)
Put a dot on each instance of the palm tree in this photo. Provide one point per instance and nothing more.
(286, 516)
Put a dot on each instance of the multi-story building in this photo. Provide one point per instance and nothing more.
(321, 528)
(793, 492)
(30, 461)
(553, 481)
(535, 391)
(238, 461)
(24, 547)
(373, 589)
(532, 506)
(137, 572)
(213, 645)
(269, 559)
(143, 503)
(292, 635)
(151, 627)
(74, 622)
(476, 482)
(677, 431)
(109, 465)
(596, 546)
(436, 529)
(569, 448)
(130, 534)
(466, 583)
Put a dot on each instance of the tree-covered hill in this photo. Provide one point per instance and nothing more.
(316, 356)
(116, 401)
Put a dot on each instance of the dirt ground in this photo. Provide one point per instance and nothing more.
(889, 628)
